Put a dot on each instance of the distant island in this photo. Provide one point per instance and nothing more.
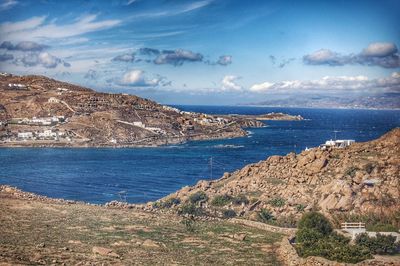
(389, 100)
(36, 111)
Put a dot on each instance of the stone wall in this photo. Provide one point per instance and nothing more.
(263, 226)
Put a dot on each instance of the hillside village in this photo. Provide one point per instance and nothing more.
(38, 111)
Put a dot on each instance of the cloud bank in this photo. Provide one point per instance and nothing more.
(376, 54)
(176, 57)
(359, 83)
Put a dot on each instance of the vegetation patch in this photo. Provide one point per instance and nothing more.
(300, 207)
(241, 199)
(198, 197)
(227, 214)
(265, 216)
(380, 244)
(316, 237)
(191, 209)
(221, 200)
(277, 202)
(167, 203)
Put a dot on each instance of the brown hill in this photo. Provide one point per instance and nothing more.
(361, 179)
(90, 118)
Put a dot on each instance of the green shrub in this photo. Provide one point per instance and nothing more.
(316, 238)
(229, 214)
(189, 224)
(316, 221)
(166, 204)
(265, 216)
(197, 197)
(191, 209)
(221, 200)
(381, 244)
(238, 200)
(171, 202)
(300, 207)
(381, 227)
(277, 202)
(308, 236)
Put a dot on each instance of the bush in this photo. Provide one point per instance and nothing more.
(189, 224)
(221, 200)
(166, 204)
(381, 244)
(316, 221)
(240, 199)
(316, 238)
(308, 236)
(197, 197)
(381, 227)
(265, 216)
(229, 214)
(170, 202)
(277, 202)
(300, 207)
(191, 209)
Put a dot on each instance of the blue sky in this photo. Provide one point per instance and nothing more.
(206, 51)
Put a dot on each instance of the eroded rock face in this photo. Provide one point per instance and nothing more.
(364, 177)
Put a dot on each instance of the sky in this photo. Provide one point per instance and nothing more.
(207, 51)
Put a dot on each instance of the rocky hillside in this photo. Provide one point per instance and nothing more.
(360, 179)
(39, 111)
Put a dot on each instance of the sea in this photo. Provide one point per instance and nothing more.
(138, 175)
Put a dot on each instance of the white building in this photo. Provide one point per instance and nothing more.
(53, 100)
(47, 134)
(25, 135)
(340, 143)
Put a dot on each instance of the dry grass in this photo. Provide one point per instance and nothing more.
(34, 232)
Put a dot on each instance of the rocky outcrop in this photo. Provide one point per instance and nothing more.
(361, 178)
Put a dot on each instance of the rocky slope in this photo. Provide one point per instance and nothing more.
(90, 118)
(363, 178)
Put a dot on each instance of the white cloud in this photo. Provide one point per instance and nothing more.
(229, 83)
(137, 78)
(360, 83)
(261, 87)
(24, 25)
(36, 28)
(7, 4)
(380, 49)
(43, 59)
(383, 54)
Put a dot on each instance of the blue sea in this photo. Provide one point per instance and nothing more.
(146, 174)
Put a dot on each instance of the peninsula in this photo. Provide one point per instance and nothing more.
(36, 111)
